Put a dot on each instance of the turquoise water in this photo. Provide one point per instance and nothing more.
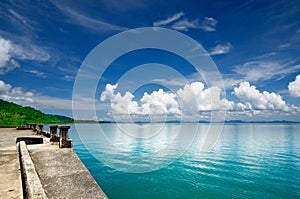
(248, 161)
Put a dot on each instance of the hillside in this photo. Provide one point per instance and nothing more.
(12, 114)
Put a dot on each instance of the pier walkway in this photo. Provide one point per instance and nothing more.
(10, 173)
(60, 171)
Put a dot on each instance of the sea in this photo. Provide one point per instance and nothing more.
(183, 160)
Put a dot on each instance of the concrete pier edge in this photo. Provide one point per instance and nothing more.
(42, 170)
(33, 186)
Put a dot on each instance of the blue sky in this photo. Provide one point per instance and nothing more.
(255, 45)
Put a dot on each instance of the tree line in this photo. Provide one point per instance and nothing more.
(12, 114)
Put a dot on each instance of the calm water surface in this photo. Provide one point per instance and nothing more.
(248, 161)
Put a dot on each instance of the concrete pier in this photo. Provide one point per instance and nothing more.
(32, 187)
(62, 174)
(10, 173)
(59, 170)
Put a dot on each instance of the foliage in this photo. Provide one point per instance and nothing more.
(12, 114)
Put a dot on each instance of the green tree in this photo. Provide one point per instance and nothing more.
(12, 114)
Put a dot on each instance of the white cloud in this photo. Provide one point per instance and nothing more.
(191, 99)
(86, 21)
(195, 97)
(261, 68)
(253, 99)
(125, 104)
(17, 95)
(108, 93)
(7, 63)
(169, 20)
(178, 23)
(4, 88)
(20, 18)
(285, 45)
(264, 70)
(294, 87)
(223, 48)
(36, 73)
(10, 52)
(68, 78)
(209, 24)
(160, 102)
(29, 98)
(156, 103)
(195, 101)
(30, 52)
(185, 24)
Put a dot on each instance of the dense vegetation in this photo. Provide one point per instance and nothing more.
(12, 114)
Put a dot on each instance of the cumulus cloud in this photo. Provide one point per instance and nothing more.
(195, 97)
(125, 104)
(223, 48)
(160, 102)
(4, 88)
(294, 87)
(197, 101)
(253, 99)
(191, 100)
(107, 94)
(17, 95)
(157, 103)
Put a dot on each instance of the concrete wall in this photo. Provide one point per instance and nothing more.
(33, 187)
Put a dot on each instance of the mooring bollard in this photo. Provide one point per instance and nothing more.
(30, 126)
(64, 141)
(34, 127)
(53, 133)
(40, 130)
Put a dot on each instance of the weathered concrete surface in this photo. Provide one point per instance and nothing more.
(33, 186)
(60, 171)
(62, 174)
(10, 174)
(8, 137)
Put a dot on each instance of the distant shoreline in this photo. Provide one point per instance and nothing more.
(177, 122)
(171, 122)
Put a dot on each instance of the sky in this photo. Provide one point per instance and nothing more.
(255, 46)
